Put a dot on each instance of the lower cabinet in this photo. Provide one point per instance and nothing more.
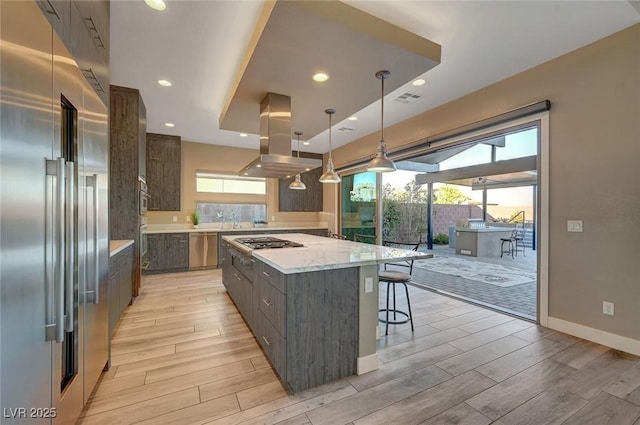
(120, 285)
(306, 323)
(167, 252)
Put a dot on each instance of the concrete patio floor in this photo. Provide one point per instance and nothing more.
(518, 300)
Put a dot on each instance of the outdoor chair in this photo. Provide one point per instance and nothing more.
(393, 277)
(518, 240)
(509, 242)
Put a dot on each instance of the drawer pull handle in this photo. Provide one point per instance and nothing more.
(237, 277)
(267, 302)
(266, 274)
(266, 340)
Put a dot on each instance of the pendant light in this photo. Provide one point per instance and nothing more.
(381, 163)
(297, 184)
(330, 176)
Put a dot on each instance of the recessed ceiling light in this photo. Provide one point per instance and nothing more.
(306, 143)
(156, 4)
(165, 83)
(259, 165)
(418, 82)
(169, 124)
(243, 134)
(307, 169)
(353, 118)
(246, 174)
(320, 77)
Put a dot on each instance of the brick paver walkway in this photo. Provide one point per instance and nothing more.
(519, 299)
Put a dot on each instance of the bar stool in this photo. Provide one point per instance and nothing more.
(391, 278)
(509, 241)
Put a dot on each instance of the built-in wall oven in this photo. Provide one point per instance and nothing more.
(144, 196)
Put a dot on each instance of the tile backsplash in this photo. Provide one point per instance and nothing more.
(218, 213)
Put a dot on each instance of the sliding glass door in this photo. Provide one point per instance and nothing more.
(359, 206)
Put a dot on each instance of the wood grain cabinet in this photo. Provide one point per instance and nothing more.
(128, 130)
(167, 252)
(120, 285)
(302, 200)
(303, 321)
(163, 172)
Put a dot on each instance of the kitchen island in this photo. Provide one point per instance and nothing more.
(313, 309)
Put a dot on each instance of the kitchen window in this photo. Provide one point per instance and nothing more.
(227, 183)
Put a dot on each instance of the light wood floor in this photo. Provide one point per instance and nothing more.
(183, 355)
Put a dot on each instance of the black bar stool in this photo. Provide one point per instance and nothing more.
(391, 278)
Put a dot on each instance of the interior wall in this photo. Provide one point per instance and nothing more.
(224, 159)
(593, 157)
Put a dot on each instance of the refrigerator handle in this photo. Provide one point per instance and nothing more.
(70, 251)
(55, 331)
(96, 254)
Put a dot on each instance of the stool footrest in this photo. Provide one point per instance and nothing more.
(394, 322)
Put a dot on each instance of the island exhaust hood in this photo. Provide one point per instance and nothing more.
(275, 159)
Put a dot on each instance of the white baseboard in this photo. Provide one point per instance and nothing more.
(618, 342)
(367, 363)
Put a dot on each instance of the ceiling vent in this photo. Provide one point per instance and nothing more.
(407, 97)
(345, 129)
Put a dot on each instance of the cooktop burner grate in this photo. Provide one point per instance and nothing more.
(268, 242)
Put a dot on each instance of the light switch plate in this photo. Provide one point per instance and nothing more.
(368, 285)
(175, 218)
(574, 226)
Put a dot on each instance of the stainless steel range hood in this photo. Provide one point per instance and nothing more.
(275, 158)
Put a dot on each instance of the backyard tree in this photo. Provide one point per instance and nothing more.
(449, 195)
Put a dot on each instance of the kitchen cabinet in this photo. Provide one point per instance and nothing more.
(120, 285)
(163, 172)
(300, 320)
(302, 200)
(83, 27)
(167, 252)
(128, 130)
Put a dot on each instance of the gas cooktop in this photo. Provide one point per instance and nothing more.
(267, 242)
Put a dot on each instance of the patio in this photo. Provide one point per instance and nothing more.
(507, 284)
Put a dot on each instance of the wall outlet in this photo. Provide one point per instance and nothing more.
(368, 285)
(607, 308)
(465, 252)
(188, 218)
(273, 218)
(175, 218)
(574, 226)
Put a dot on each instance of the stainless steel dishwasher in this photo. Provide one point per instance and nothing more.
(203, 250)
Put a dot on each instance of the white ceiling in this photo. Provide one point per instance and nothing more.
(199, 46)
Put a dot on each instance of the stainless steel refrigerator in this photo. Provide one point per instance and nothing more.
(54, 230)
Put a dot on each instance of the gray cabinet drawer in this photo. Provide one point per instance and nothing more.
(272, 276)
(273, 305)
(273, 344)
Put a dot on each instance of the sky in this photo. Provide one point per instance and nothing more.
(523, 143)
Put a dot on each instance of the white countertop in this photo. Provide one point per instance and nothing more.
(115, 246)
(211, 229)
(320, 253)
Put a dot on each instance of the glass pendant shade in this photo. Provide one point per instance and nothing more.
(330, 176)
(381, 163)
(297, 184)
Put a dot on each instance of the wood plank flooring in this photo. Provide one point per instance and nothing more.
(183, 355)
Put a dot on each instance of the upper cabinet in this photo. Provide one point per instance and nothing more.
(163, 172)
(83, 26)
(302, 200)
